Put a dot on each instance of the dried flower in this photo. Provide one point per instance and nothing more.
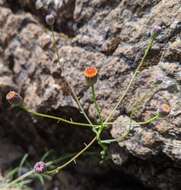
(14, 98)
(40, 167)
(164, 109)
(50, 19)
(90, 74)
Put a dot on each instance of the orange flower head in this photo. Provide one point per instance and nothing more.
(14, 98)
(164, 109)
(90, 74)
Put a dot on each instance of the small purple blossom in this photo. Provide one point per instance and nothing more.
(157, 29)
(50, 19)
(40, 167)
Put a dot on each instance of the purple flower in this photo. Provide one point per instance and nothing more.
(40, 167)
(157, 29)
(50, 19)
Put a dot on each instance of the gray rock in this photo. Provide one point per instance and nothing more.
(111, 35)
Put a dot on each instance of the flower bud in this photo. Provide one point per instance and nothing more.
(40, 167)
(14, 98)
(157, 30)
(38, 4)
(90, 74)
(50, 19)
(164, 109)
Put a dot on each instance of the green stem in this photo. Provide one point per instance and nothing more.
(20, 178)
(80, 106)
(96, 104)
(149, 120)
(58, 118)
(108, 141)
(102, 125)
(71, 89)
(62, 158)
(73, 158)
(31, 172)
(133, 77)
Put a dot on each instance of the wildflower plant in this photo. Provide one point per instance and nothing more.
(91, 75)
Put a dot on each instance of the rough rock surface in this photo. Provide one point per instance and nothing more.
(111, 35)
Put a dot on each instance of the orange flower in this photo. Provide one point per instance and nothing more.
(14, 98)
(164, 109)
(90, 74)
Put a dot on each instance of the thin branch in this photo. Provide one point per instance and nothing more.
(71, 89)
(133, 77)
(73, 158)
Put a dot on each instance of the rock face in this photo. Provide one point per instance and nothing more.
(111, 35)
